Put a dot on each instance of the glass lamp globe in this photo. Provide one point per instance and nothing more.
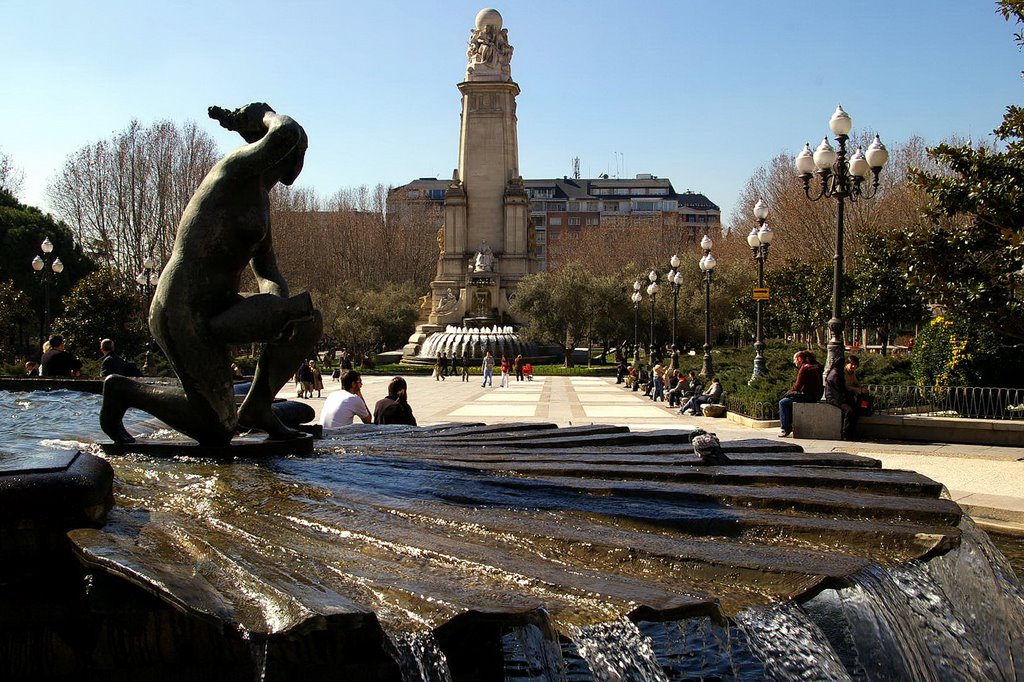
(57, 266)
(824, 155)
(859, 165)
(653, 276)
(840, 123)
(706, 243)
(678, 279)
(805, 160)
(46, 246)
(37, 263)
(710, 262)
(876, 154)
(637, 286)
(760, 209)
(674, 260)
(765, 234)
(652, 289)
(753, 240)
(149, 263)
(636, 297)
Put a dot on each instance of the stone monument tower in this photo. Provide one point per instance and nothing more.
(485, 247)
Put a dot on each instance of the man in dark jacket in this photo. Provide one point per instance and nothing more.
(57, 362)
(113, 363)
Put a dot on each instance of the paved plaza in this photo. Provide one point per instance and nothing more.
(984, 479)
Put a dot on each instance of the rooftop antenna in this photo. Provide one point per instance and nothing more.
(576, 168)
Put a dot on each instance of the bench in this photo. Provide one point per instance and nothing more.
(821, 421)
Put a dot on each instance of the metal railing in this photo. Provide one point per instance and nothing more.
(962, 402)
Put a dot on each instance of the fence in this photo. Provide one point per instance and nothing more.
(965, 402)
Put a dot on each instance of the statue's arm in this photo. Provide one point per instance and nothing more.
(271, 136)
(264, 267)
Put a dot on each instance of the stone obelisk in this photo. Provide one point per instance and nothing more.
(485, 249)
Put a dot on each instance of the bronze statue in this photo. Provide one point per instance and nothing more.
(198, 312)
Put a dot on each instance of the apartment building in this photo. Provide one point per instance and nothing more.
(563, 206)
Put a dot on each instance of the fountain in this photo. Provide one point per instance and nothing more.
(515, 551)
(474, 342)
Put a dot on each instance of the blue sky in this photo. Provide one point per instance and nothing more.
(700, 92)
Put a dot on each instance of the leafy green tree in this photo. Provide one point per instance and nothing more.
(882, 298)
(801, 299)
(969, 258)
(15, 318)
(102, 306)
(367, 321)
(949, 352)
(22, 230)
(568, 306)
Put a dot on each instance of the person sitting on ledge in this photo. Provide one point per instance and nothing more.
(394, 409)
(57, 362)
(710, 396)
(113, 363)
(806, 388)
(341, 407)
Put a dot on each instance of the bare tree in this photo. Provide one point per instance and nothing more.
(12, 178)
(124, 196)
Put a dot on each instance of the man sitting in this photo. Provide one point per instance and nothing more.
(113, 363)
(57, 362)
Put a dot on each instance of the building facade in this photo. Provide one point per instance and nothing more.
(566, 206)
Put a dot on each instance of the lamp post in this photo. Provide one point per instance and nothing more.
(707, 264)
(147, 279)
(652, 291)
(840, 179)
(45, 265)
(636, 297)
(759, 239)
(675, 278)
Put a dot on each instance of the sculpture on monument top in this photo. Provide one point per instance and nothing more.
(484, 259)
(198, 312)
(489, 52)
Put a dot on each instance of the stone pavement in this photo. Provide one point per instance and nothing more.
(987, 481)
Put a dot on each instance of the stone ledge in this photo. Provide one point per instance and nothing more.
(942, 429)
(820, 421)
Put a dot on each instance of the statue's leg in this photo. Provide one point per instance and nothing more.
(291, 328)
(273, 370)
(168, 404)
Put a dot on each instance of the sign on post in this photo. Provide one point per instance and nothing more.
(760, 294)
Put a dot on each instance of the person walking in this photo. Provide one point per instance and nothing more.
(518, 367)
(505, 369)
(305, 378)
(488, 368)
(658, 379)
(465, 367)
(318, 379)
(444, 365)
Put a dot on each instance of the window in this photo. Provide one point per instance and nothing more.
(542, 238)
(639, 191)
(436, 194)
(556, 206)
(412, 194)
(611, 206)
(555, 221)
(574, 205)
(541, 193)
(622, 190)
(574, 221)
(593, 221)
(646, 205)
(659, 191)
(538, 221)
(593, 205)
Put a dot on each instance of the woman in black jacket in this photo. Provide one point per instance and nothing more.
(394, 409)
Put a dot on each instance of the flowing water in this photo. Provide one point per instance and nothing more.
(958, 616)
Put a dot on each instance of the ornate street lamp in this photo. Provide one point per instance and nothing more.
(675, 278)
(707, 264)
(841, 180)
(759, 239)
(147, 279)
(652, 291)
(636, 298)
(39, 264)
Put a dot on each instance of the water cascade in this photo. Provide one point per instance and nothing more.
(516, 552)
(474, 342)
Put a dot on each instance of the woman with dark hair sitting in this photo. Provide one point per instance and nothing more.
(394, 409)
